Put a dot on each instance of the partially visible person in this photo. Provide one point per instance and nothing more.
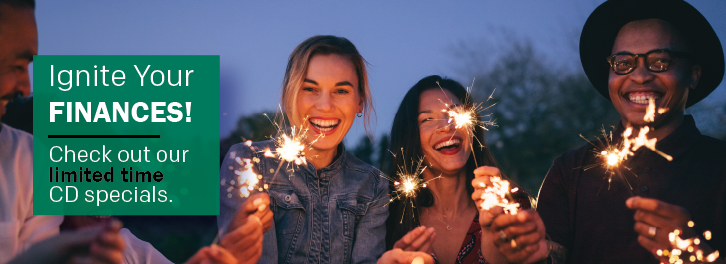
(19, 114)
(464, 232)
(24, 237)
(634, 52)
(331, 208)
(138, 251)
(98, 244)
(19, 228)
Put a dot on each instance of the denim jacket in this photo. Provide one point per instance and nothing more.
(336, 215)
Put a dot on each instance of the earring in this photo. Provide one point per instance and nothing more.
(359, 114)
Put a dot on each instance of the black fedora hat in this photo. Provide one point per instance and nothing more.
(598, 36)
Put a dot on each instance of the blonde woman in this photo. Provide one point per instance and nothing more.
(332, 208)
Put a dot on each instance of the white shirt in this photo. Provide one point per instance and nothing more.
(139, 251)
(19, 228)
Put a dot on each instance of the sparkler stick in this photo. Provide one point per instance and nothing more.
(407, 184)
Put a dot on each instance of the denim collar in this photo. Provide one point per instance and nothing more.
(333, 168)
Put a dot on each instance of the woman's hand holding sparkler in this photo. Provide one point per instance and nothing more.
(257, 205)
(482, 179)
(413, 248)
(399, 256)
(660, 225)
(419, 239)
(519, 236)
(245, 232)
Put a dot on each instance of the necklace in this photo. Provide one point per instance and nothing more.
(448, 226)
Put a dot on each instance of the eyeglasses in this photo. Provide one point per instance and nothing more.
(655, 61)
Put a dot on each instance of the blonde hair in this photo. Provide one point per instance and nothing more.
(297, 67)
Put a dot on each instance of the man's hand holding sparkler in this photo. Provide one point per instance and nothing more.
(654, 222)
(245, 232)
(519, 236)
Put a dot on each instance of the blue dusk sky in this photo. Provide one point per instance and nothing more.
(402, 40)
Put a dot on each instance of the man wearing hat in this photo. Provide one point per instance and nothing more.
(634, 52)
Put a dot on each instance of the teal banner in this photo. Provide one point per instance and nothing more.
(126, 135)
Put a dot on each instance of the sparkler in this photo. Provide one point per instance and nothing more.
(687, 248)
(612, 155)
(289, 148)
(247, 180)
(407, 184)
(499, 193)
(467, 115)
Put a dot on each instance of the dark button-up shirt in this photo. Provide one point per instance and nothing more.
(334, 215)
(588, 215)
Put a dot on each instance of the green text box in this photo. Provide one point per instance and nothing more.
(185, 119)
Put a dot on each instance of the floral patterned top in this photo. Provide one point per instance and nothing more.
(470, 252)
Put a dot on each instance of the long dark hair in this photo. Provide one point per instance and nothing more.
(405, 134)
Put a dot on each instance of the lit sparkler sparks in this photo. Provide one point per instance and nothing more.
(247, 180)
(650, 111)
(467, 115)
(499, 193)
(687, 248)
(290, 147)
(613, 154)
(642, 140)
(407, 184)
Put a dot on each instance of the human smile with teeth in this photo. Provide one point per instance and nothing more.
(323, 125)
(642, 97)
(446, 148)
(448, 144)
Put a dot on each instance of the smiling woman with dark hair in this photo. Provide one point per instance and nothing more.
(459, 230)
